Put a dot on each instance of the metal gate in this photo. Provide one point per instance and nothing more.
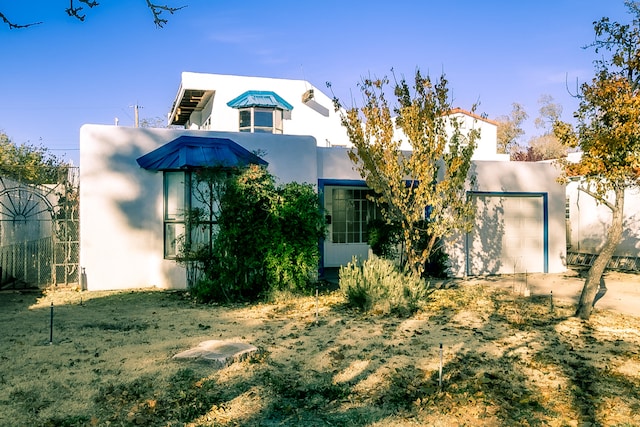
(39, 232)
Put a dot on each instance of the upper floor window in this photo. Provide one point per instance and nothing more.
(260, 119)
(261, 111)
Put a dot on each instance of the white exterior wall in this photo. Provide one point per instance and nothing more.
(336, 170)
(512, 179)
(121, 211)
(486, 144)
(121, 205)
(317, 118)
(590, 221)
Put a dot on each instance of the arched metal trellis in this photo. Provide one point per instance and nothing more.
(38, 233)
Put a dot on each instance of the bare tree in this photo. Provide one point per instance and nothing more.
(76, 11)
(510, 128)
(547, 145)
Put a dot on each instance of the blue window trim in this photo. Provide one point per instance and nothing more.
(260, 98)
(545, 220)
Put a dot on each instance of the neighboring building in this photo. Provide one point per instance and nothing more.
(134, 183)
(588, 223)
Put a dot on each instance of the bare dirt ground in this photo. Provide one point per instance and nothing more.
(506, 359)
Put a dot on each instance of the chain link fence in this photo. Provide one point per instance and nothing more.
(26, 263)
(39, 232)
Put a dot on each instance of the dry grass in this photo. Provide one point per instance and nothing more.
(507, 361)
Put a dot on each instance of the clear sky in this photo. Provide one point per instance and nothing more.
(61, 74)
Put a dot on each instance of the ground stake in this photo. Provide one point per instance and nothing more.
(440, 373)
(51, 326)
(316, 304)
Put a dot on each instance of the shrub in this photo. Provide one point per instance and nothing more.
(384, 238)
(378, 285)
(266, 239)
(438, 265)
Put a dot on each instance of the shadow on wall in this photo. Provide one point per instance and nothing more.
(591, 239)
(484, 242)
(590, 222)
(139, 211)
(137, 199)
(630, 244)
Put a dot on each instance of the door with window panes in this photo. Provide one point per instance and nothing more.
(348, 211)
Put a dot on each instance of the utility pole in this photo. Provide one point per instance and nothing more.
(136, 114)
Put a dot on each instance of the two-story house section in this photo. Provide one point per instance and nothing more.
(256, 104)
(230, 103)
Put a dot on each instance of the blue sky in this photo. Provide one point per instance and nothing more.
(61, 74)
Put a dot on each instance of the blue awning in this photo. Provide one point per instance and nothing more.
(192, 152)
(260, 98)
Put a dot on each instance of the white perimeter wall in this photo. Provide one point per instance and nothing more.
(590, 221)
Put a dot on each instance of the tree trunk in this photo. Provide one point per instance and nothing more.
(594, 276)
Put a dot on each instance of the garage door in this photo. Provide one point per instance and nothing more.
(508, 236)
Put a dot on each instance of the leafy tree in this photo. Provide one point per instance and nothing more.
(510, 129)
(431, 178)
(262, 237)
(548, 113)
(28, 163)
(608, 134)
(76, 11)
(541, 147)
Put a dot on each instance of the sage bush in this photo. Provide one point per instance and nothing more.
(378, 285)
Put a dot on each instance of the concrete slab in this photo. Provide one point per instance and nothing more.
(217, 352)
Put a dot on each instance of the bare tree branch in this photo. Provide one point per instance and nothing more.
(12, 25)
(157, 11)
(599, 198)
(74, 12)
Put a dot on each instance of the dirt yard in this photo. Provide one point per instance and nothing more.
(507, 360)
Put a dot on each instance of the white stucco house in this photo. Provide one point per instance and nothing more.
(130, 205)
